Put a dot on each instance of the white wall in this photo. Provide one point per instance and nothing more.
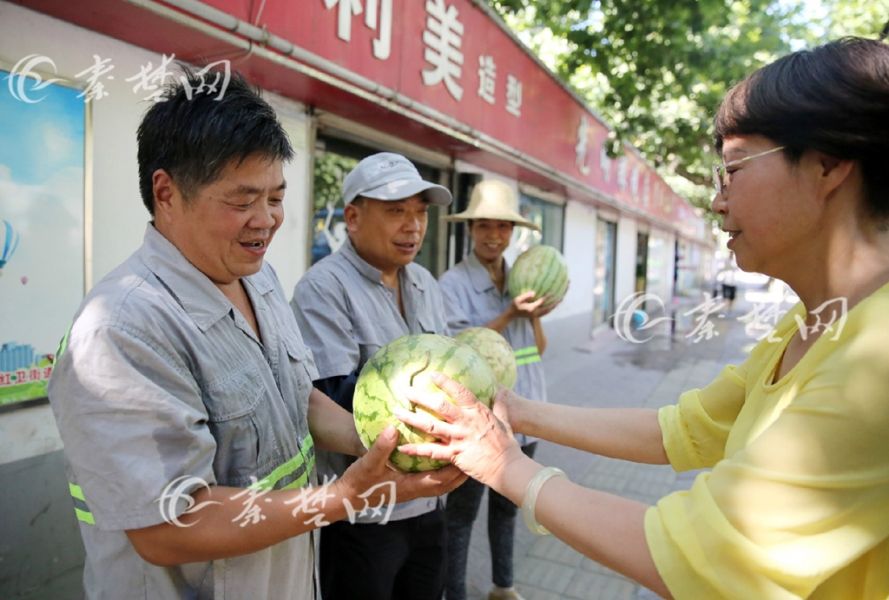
(118, 216)
(579, 250)
(289, 251)
(660, 264)
(625, 271)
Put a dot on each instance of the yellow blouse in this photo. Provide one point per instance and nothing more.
(797, 502)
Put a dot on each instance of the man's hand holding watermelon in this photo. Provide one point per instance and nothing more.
(373, 469)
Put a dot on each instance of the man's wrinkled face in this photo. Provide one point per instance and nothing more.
(225, 227)
(388, 234)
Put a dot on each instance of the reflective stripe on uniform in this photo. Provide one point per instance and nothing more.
(63, 343)
(526, 356)
(85, 516)
(81, 510)
(302, 464)
(76, 491)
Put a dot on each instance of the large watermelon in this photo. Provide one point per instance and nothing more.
(496, 351)
(541, 269)
(403, 365)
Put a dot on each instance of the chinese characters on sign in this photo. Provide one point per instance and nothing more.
(580, 149)
(443, 39)
(513, 95)
(377, 17)
(487, 78)
(442, 48)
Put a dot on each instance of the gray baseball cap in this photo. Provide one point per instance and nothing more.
(390, 176)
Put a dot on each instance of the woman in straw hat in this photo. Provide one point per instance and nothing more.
(476, 295)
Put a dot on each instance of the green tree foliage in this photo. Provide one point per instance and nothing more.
(330, 170)
(855, 17)
(656, 70)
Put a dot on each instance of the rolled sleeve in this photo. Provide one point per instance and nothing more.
(132, 422)
(695, 430)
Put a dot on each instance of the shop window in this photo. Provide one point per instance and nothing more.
(328, 228)
(333, 160)
(550, 217)
(641, 262)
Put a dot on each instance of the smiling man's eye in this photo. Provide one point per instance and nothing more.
(240, 203)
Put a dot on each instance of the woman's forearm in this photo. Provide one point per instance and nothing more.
(604, 527)
(625, 433)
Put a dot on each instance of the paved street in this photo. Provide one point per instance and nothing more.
(610, 372)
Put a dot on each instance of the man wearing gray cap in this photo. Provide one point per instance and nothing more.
(365, 295)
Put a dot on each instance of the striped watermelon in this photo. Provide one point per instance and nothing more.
(402, 365)
(542, 269)
(496, 351)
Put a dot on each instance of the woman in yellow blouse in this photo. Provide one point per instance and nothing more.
(796, 504)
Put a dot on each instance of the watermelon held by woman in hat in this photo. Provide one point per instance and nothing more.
(543, 270)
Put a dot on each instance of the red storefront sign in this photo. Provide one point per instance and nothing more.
(451, 56)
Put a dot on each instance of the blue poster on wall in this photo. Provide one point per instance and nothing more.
(41, 231)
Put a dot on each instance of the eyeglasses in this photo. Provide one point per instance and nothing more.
(721, 176)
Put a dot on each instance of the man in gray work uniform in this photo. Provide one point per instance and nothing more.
(365, 295)
(183, 391)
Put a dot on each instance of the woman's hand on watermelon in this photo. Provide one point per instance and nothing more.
(469, 435)
(546, 306)
(373, 469)
(525, 305)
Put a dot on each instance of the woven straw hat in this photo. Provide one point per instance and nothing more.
(493, 199)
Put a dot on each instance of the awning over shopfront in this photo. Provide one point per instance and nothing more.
(446, 74)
